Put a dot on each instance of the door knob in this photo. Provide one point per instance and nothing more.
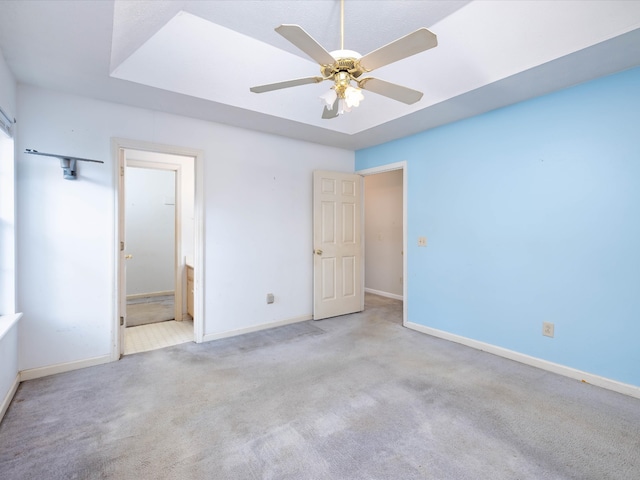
(128, 257)
(318, 252)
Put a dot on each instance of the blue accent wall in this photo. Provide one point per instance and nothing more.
(532, 214)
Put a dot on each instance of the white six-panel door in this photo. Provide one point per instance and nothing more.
(337, 252)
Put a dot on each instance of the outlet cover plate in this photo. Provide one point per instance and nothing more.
(547, 329)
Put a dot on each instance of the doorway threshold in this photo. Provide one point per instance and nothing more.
(144, 338)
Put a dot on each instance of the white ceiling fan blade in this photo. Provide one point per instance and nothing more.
(391, 90)
(286, 84)
(331, 113)
(305, 42)
(416, 42)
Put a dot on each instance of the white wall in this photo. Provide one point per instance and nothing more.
(383, 232)
(150, 230)
(257, 222)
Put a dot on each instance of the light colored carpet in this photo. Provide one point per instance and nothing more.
(352, 397)
(143, 311)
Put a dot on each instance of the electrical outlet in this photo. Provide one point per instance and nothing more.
(547, 329)
(270, 298)
(422, 241)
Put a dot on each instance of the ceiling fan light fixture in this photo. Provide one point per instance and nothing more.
(348, 97)
(353, 96)
(329, 98)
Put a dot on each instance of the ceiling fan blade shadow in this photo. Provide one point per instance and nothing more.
(330, 113)
(305, 42)
(286, 84)
(416, 42)
(390, 90)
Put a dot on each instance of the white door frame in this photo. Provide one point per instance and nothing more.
(382, 169)
(118, 145)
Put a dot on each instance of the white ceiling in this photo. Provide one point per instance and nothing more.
(199, 58)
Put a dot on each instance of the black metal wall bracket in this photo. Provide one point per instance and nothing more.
(67, 163)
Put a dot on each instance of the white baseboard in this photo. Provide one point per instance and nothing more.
(9, 396)
(162, 293)
(384, 294)
(609, 384)
(255, 328)
(33, 373)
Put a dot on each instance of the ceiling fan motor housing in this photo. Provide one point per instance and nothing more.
(346, 61)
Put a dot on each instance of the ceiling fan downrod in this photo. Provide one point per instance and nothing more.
(341, 24)
(345, 69)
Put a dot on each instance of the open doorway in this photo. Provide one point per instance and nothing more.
(150, 229)
(385, 239)
(157, 221)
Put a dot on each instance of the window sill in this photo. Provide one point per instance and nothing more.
(7, 322)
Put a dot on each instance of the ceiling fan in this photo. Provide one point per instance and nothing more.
(346, 66)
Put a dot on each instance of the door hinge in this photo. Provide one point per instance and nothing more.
(121, 171)
(122, 246)
(121, 321)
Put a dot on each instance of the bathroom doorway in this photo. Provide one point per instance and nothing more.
(159, 241)
(150, 221)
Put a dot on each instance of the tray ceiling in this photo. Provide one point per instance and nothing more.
(199, 58)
